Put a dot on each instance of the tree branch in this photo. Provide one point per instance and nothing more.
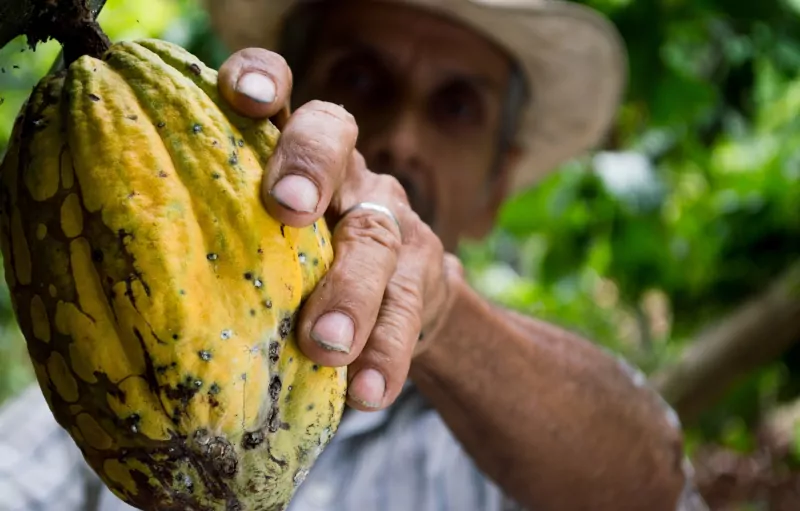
(16, 16)
(753, 335)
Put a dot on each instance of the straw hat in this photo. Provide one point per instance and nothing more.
(573, 58)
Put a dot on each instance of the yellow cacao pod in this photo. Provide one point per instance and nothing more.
(157, 296)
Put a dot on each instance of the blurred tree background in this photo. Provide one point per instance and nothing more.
(676, 246)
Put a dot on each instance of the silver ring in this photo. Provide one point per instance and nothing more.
(374, 207)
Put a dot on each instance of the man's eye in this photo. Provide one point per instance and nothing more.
(457, 105)
(353, 77)
(458, 108)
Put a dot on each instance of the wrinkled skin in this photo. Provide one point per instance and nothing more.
(554, 420)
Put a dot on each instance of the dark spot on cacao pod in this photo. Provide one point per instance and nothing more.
(161, 124)
(214, 389)
(187, 482)
(133, 421)
(161, 369)
(285, 327)
(218, 454)
(97, 256)
(195, 69)
(248, 276)
(94, 97)
(183, 392)
(175, 337)
(283, 232)
(211, 257)
(310, 407)
(315, 262)
(234, 159)
(252, 439)
(285, 426)
(182, 292)
(161, 173)
(216, 175)
(241, 142)
(268, 304)
(204, 355)
(315, 367)
(273, 419)
(275, 388)
(274, 352)
(197, 128)
(39, 123)
(133, 117)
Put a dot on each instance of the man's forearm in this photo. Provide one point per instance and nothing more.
(553, 419)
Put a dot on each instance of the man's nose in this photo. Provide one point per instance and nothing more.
(395, 144)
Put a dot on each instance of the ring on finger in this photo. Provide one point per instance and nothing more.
(372, 206)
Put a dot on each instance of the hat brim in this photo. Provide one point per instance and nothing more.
(573, 58)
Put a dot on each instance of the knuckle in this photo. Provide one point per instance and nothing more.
(261, 57)
(403, 295)
(388, 344)
(337, 112)
(359, 161)
(366, 227)
(309, 155)
(400, 319)
(429, 238)
(391, 185)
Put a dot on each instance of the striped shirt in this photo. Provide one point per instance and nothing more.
(403, 458)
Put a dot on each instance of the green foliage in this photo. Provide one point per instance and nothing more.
(707, 222)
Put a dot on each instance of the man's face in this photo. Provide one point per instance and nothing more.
(427, 96)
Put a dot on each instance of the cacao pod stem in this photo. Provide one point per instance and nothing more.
(72, 24)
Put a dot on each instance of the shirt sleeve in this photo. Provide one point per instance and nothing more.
(41, 469)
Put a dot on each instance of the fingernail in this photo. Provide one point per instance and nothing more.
(368, 388)
(334, 332)
(257, 87)
(297, 193)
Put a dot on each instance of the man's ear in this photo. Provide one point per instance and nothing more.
(497, 189)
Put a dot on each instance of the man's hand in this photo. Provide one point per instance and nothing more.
(388, 283)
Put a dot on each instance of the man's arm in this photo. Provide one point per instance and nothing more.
(556, 421)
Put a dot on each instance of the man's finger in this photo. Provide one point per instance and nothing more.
(382, 367)
(312, 159)
(256, 82)
(338, 317)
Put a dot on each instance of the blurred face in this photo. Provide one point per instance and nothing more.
(427, 96)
